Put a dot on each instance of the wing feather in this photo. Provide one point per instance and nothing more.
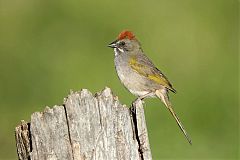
(143, 65)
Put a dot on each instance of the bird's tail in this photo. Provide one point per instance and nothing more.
(163, 96)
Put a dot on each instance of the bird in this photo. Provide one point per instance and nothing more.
(139, 75)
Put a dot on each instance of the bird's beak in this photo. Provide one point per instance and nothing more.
(113, 44)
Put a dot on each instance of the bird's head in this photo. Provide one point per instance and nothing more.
(126, 42)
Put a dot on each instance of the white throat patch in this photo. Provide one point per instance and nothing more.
(117, 50)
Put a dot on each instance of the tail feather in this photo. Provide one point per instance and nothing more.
(164, 98)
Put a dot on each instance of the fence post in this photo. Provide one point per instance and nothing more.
(85, 127)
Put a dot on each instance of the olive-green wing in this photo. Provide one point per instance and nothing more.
(143, 65)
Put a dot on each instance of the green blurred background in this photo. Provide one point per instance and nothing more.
(50, 47)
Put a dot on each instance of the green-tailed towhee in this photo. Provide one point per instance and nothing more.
(139, 75)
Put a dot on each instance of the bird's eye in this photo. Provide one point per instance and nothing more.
(122, 43)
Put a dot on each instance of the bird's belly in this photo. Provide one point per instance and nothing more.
(143, 93)
(134, 82)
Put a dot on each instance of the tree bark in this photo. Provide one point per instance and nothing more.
(85, 127)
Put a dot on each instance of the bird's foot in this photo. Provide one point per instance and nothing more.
(134, 104)
(133, 109)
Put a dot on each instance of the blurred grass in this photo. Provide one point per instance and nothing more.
(50, 47)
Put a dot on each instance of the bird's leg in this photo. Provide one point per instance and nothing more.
(133, 111)
(140, 98)
(146, 95)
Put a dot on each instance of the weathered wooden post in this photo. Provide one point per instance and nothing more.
(85, 127)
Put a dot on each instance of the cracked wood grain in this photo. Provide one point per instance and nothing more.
(86, 127)
(22, 136)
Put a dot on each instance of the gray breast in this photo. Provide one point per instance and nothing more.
(134, 82)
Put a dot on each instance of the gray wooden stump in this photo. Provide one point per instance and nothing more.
(85, 127)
